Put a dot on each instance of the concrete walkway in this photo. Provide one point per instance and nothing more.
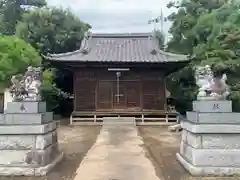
(116, 155)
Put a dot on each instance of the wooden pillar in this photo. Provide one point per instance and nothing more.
(74, 92)
(164, 95)
(141, 94)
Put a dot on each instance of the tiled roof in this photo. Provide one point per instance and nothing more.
(136, 47)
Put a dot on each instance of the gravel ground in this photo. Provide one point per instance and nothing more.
(162, 147)
(75, 143)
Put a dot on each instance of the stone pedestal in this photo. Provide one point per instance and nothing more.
(210, 142)
(28, 140)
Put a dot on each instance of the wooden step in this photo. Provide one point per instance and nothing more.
(119, 120)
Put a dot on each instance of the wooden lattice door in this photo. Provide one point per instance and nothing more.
(104, 95)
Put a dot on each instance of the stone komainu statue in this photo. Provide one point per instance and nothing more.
(210, 87)
(27, 87)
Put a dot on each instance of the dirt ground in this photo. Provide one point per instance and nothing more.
(75, 143)
(162, 146)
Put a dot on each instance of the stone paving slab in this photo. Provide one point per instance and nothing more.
(117, 155)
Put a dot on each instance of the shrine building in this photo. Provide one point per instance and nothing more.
(120, 75)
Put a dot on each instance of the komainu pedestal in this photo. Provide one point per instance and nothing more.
(210, 142)
(28, 140)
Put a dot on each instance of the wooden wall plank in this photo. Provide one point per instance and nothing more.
(96, 89)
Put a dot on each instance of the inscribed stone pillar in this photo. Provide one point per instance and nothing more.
(210, 139)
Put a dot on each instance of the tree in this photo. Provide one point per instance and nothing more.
(186, 17)
(11, 12)
(15, 56)
(52, 30)
(51, 93)
(209, 32)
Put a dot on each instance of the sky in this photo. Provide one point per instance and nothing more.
(118, 16)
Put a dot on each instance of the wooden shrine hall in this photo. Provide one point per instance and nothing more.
(120, 75)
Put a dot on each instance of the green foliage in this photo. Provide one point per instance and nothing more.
(51, 94)
(15, 56)
(52, 30)
(49, 30)
(209, 31)
(11, 12)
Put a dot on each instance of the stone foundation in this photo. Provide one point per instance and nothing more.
(28, 140)
(28, 170)
(210, 140)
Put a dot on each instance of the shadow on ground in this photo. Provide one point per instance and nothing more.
(75, 143)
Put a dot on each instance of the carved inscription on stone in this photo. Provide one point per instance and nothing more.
(216, 106)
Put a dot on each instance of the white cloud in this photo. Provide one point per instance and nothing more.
(117, 15)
